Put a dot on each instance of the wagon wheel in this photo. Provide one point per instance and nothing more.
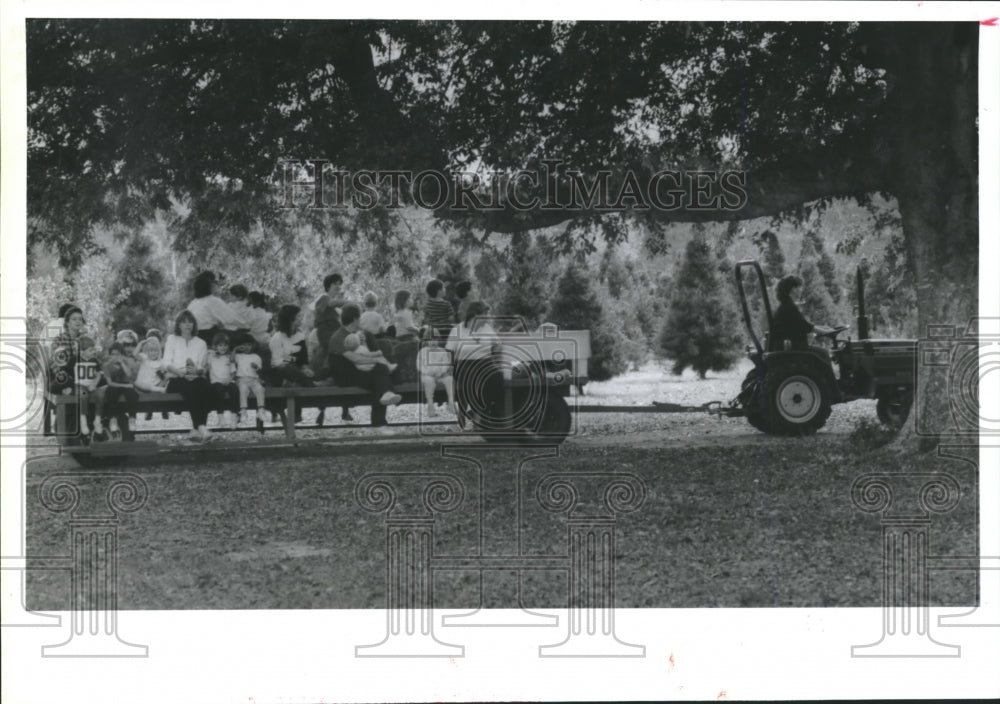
(795, 399)
(549, 424)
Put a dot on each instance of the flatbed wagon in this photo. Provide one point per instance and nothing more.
(538, 376)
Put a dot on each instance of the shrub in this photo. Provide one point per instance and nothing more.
(869, 434)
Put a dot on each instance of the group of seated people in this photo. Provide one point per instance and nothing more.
(220, 353)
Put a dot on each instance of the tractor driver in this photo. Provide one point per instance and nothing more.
(789, 323)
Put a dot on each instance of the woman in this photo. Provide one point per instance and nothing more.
(478, 379)
(259, 318)
(185, 356)
(63, 352)
(788, 324)
(289, 361)
(212, 314)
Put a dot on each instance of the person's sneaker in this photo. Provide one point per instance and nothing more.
(84, 428)
(149, 415)
(390, 399)
(242, 417)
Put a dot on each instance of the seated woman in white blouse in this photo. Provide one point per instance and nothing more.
(212, 314)
(185, 356)
(289, 359)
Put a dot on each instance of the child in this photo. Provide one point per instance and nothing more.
(434, 364)
(371, 321)
(89, 379)
(152, 374)
(402, 317)
(248, 366)
(120, 397)
(221, 370)
(465, 296)
(438, 312)
(353, 343)
(155, 334)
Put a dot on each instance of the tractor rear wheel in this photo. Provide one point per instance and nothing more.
(795, 399)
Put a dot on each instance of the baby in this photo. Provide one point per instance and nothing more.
(353, 343)
(248, 365)
(434, 364)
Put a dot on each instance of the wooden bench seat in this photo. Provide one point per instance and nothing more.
(296, 398)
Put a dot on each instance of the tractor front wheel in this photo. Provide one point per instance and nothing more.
(795, 399)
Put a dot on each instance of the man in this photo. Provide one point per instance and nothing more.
(342, 365)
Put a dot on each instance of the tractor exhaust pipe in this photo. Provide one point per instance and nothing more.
(862, 317)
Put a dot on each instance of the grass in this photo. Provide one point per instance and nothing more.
(726, 523)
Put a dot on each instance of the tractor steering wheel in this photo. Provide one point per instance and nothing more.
(833, 333)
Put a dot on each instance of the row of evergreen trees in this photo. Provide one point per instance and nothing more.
(683, 309)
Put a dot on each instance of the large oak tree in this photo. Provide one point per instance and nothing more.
(126, 117)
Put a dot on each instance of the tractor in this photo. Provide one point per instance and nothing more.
(790, 391)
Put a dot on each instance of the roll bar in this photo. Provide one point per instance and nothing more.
(743, 299)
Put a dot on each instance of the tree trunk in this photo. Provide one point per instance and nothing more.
(935, 181)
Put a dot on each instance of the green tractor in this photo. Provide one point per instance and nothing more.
(790, 392)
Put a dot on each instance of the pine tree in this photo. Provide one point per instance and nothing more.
(527, 288)
(827, 268)
(139, 289)
(701, 329)
(817, 306)
(576, 306)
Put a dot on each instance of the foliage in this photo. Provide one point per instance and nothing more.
(817, 306)
(576, 306)
(127, 117)
(140, 289)
(869, 434)
(701, 329)
(45, 295)
(528, 283)
(824, 262)
(773, 259)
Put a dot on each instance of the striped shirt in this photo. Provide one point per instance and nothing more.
(438, 313)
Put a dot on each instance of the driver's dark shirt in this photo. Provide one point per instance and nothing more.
(788, 324)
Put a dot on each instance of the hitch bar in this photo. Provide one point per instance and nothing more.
(722, 408)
